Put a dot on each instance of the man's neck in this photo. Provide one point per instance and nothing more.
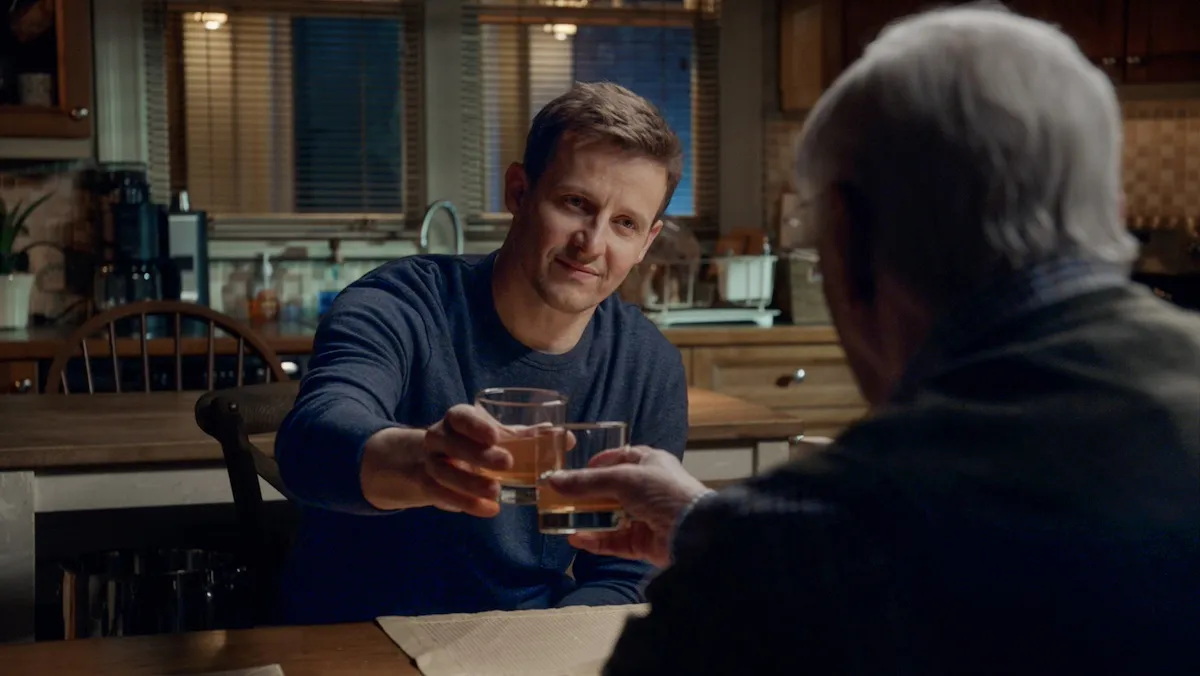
(526, 316)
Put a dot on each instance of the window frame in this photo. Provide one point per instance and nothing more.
(699, 15)
(280, 181)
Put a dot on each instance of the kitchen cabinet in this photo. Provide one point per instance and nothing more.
(46, 69)
(1097, 26)
(810, 51)
(18, 377)
(811, 381)
(1134, 41)
(1162, 42)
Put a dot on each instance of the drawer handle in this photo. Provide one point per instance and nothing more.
(793, 379)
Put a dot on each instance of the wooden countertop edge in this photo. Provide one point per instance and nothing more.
(748, 335)
(197, 452)
(747, 430)
(47, 347)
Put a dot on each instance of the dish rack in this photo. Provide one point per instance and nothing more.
(716, 290)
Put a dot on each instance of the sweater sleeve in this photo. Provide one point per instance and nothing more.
(663, 424)
(363, 353)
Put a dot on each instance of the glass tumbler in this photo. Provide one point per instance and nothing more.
(574, 446)
(530, 417)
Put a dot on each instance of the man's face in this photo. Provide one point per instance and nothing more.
(587, 222)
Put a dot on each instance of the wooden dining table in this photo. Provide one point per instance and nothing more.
(108, 430)
(80, 453)
(358, 649)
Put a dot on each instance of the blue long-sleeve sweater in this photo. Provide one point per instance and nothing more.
(400, 347)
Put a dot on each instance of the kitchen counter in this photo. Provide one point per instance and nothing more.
(45, 342)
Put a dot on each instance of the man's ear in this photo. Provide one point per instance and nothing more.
(516, 187)
(654, 230)
(858, 224)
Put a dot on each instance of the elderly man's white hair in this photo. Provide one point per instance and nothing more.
(979, 142)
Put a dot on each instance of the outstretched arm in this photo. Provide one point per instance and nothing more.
(363, 353)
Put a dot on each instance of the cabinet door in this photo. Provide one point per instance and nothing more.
(18, 377)
(1163, 41)
(862, 20)
(811, 382)
(46, 63)
(810, 51)
(1097, 26)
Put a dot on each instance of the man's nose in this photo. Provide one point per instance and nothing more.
(589, 241)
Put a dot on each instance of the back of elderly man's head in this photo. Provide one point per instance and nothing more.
(975, 142)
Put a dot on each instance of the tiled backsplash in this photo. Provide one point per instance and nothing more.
(1161, 160)
(64, 221)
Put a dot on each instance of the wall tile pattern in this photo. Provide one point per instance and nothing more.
(1161, 159)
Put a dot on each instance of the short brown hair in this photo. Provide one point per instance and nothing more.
(606, 113)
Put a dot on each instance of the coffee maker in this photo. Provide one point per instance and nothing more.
(127, 230)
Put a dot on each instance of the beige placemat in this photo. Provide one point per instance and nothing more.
(572, 641)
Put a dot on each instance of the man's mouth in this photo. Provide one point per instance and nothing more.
(576, 267)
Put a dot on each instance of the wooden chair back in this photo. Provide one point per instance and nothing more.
(231, 417)
(176, 311)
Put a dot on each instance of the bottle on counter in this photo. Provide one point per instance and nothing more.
(333, 285)
(264, 303)
(289, 292)
(235, 292)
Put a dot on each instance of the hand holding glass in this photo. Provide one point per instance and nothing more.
(528, 415)
(562, 515)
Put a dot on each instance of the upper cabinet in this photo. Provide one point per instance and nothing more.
(1134, 41)
(1162, 41)
(1097, 26)
(46, 68)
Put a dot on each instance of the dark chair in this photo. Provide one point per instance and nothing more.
(179, 314)
(231, 417)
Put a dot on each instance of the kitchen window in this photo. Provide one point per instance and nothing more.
(299, 112)
(520, 54)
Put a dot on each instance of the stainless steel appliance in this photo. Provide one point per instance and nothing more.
(186, 255)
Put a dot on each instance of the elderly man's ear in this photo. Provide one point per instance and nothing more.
(852, 225)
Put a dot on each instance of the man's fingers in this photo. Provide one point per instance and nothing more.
(617, 456)
(613, 482)
(447, 439)
(637, 542)
(453, 501)
(458, 477)
(473, 423)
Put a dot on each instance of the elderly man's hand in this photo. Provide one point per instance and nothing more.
(653, 489)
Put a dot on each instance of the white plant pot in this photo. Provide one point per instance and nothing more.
(15, 291)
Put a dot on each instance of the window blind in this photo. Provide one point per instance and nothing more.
(294, 110)
(520, 54)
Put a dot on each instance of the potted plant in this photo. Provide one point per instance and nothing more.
(16, 284)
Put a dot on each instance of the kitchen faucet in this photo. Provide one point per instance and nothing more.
(458, 229)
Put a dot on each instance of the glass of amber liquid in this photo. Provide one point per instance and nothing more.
(530, 417)
(573, 447)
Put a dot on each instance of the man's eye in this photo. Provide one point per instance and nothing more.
(626, 223)
(576, 202)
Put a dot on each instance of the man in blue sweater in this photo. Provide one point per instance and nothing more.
(382, 431)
